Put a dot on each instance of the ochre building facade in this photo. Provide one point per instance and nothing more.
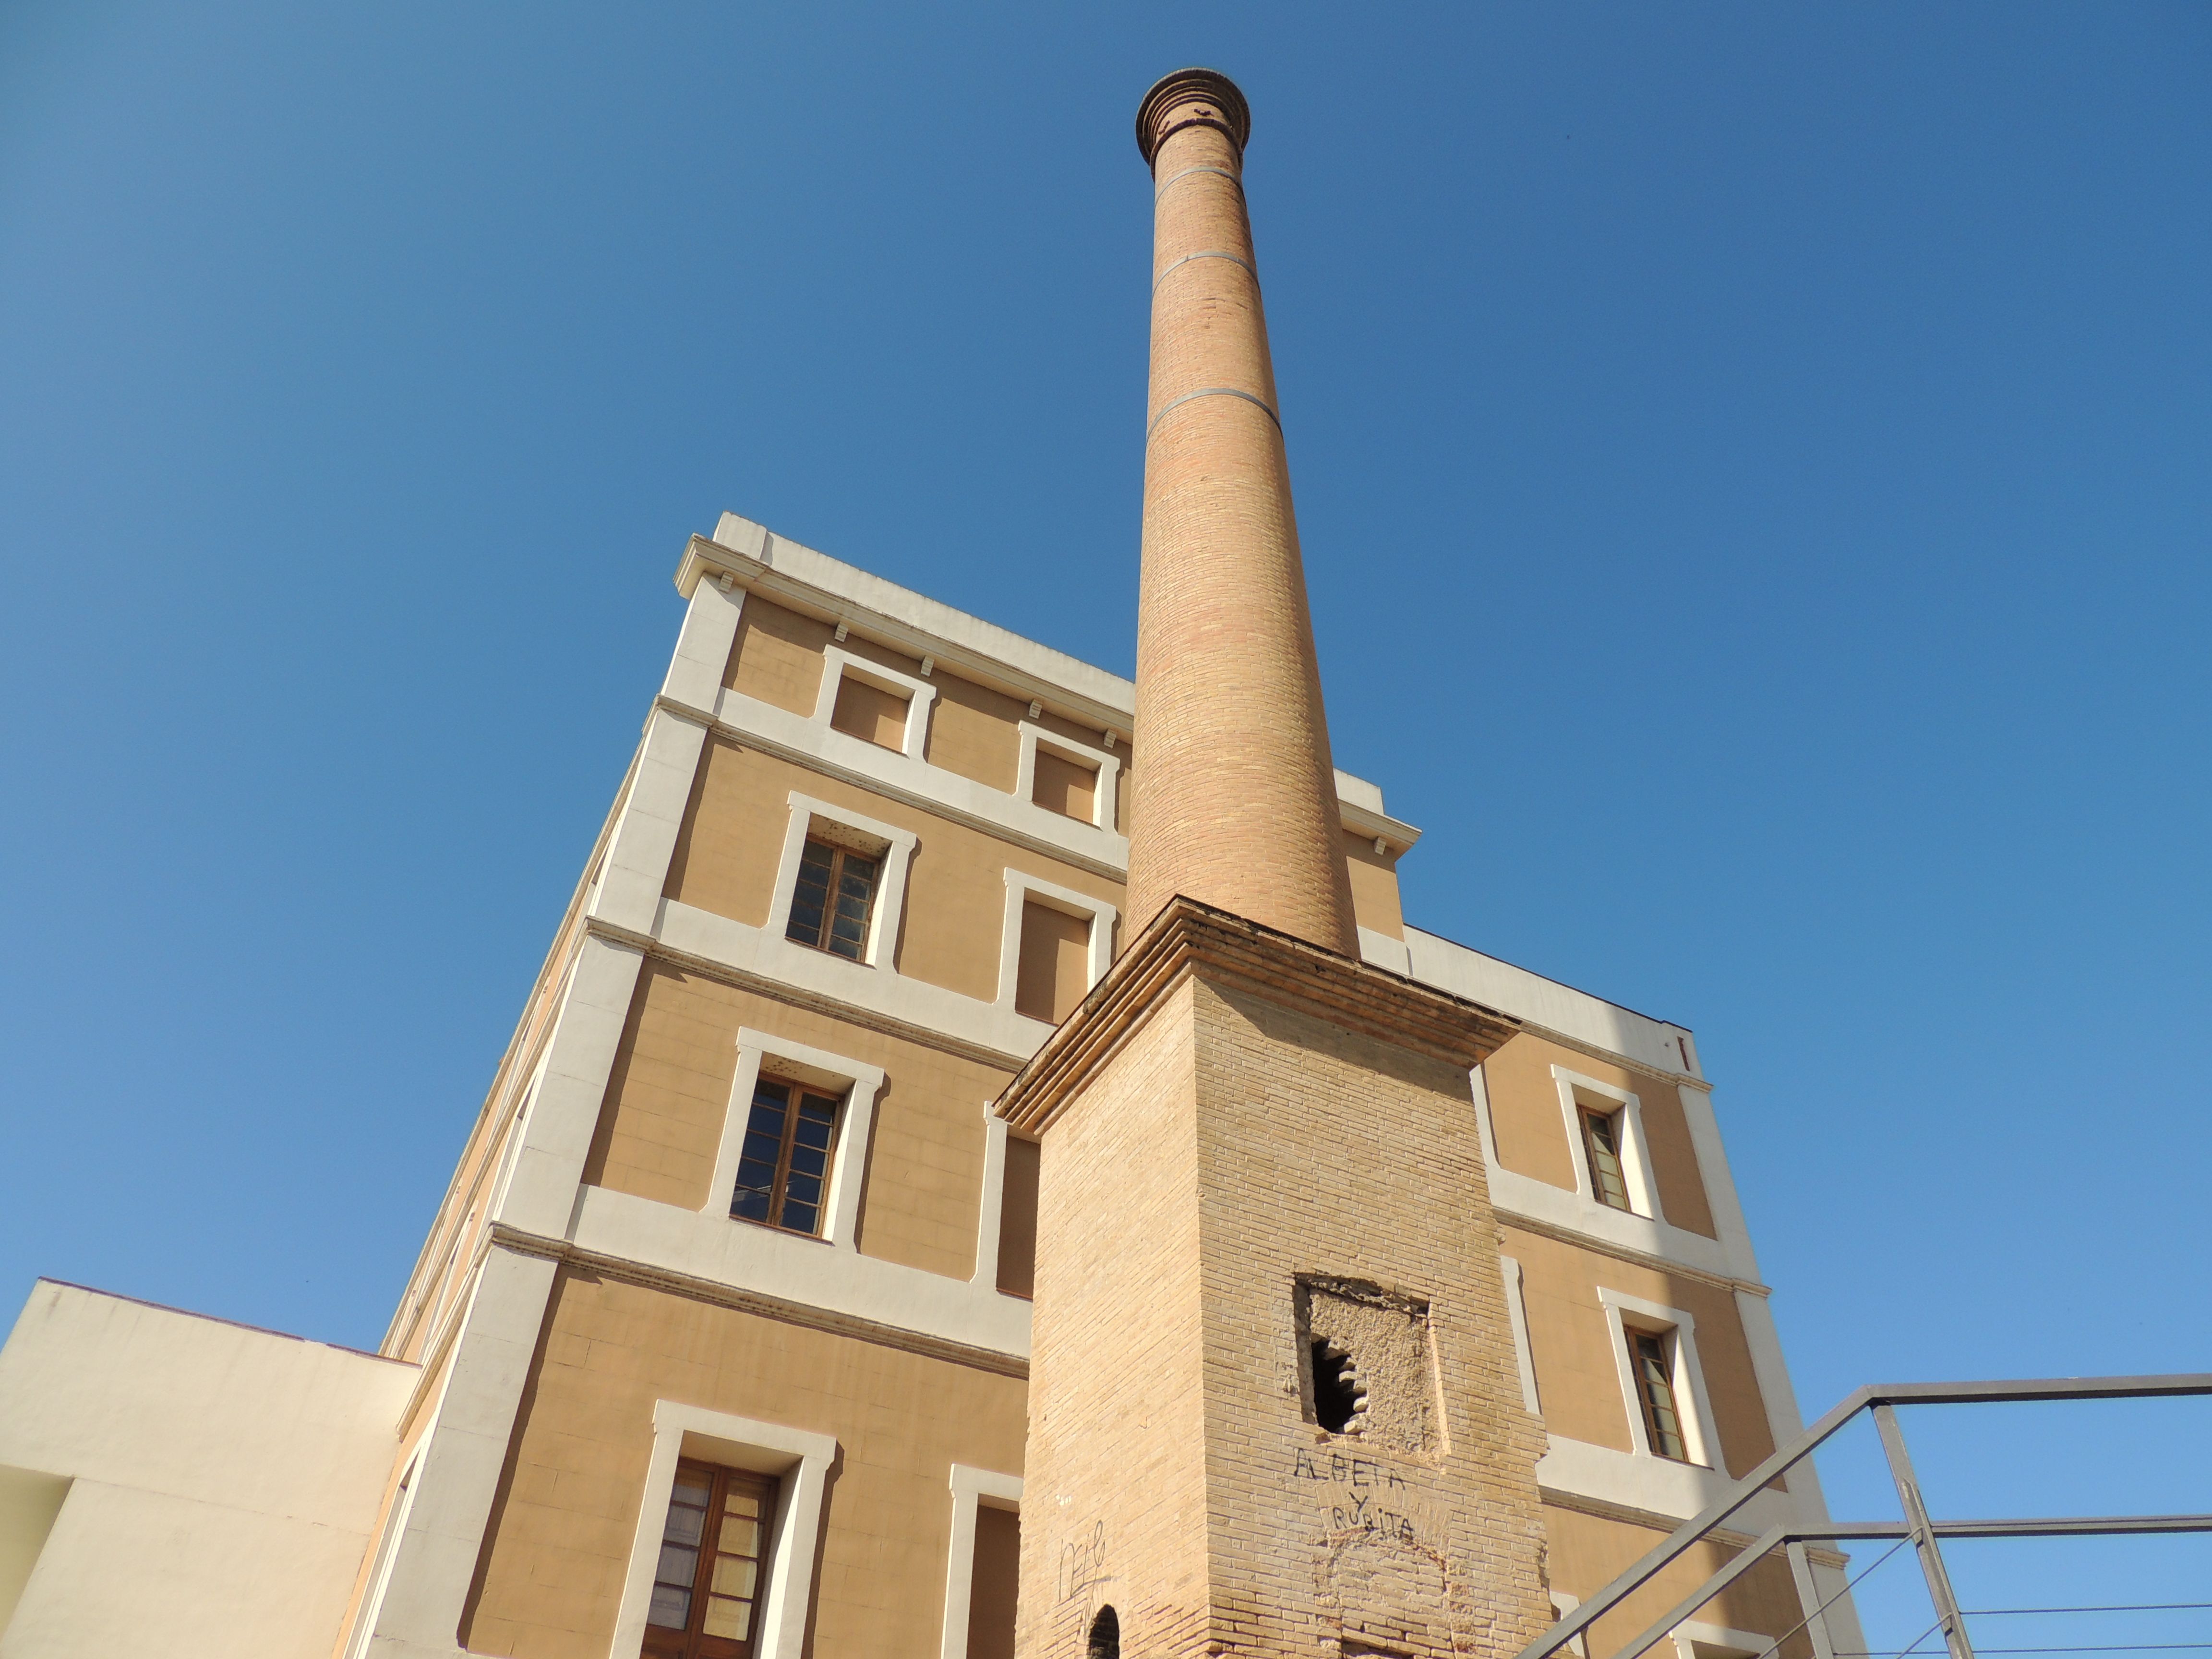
(880, 1240)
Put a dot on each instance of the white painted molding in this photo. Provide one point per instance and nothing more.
(635, 868)
(898, 852)
(856, 1081)
(1383, 951)
(1718, 1179)
(801, 1459)
(838, 666)
(909, 623)
(808, 743)
(971, 1489)
(580, 1057)
(1654, 1485)
(1550, 1005)
(771, 1262)
(702, 649)
(1516, 1312)
(1635, 1151)
(1516, 1196)
(760, 953)
(1694, 1634)
(1700, 1432)
(1562, 1605)
(465, 1449)
(799, 578)
(387, 1548)
(1021, 887)
(1784, 1422)
(993, 1208)
(1107, 766)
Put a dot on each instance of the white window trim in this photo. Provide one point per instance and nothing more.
(859, 1084)
(1562, 1605)
(1635, 1151)
(1700, 1434)
(972, 1489)
(990, 1218)
(1109, 767)
(1694, 1633)
(387, 1550)
(920, 694)
(891, 894)
(800, 1458)
(1022, 887)
(1516, 1313)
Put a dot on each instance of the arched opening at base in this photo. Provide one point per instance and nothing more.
(1105, 1636)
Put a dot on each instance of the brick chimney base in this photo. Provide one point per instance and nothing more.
(1262, 1207)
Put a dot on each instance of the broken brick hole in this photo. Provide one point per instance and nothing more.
(1337, 1398)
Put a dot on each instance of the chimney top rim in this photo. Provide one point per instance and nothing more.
(1189, 85)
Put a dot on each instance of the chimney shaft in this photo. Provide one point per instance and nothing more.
(1234, 801)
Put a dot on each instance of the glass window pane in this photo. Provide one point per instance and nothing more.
(734, 1575)
(671, 1607)
(733, 1620)
(679, 1565)
(803, 1189)
(740, 1500)
(802, 1218)
(684, 1523)
(810, 899)
(740, 1535)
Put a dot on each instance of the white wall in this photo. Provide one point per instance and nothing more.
(222, 1480)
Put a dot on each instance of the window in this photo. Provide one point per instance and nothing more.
(1601, 1141)
(1105, 1636)
(1017, 1217)
(982, 1565)
(870, 713)
(1053, 974)
(1066, 787)
(1651, 1359)
(707, 1587)
(829, 906)
(1076, 779)
(1338, 1401)
(994, 1583)
(783, 1167)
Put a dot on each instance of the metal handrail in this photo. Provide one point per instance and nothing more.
(1879, 1398)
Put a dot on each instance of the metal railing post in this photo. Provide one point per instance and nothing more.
(1808, 1598)
(1924, 1534)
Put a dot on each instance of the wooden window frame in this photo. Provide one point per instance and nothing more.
(1665, 1351)
(692, 1642)
(1613, 1124)
(825, 939)
(779, 1184)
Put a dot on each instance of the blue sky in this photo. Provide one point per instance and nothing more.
(1752, 463)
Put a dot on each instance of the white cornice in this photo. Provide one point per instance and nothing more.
(829, 590)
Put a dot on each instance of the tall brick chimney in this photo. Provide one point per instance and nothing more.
(1260, 1174)
(1234, 801)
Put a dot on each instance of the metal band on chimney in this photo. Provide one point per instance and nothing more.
(1222, 173)
(1215, 392)
(1209, 253)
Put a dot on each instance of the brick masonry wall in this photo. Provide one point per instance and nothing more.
(1236, 803)
(1233, 1145)
(1114, 1509)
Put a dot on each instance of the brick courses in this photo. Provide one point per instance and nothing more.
(1232, 1111)
(1236, 804)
